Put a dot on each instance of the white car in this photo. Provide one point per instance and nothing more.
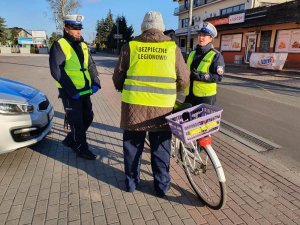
(25, 115)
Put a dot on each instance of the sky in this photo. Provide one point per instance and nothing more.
(36, 14)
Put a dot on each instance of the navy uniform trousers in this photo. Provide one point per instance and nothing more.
(211, 100)
(160, 144)
(80, 116)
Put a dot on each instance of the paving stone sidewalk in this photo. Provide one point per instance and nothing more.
(285, 78)
(47, 184)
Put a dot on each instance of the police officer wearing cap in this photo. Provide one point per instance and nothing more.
(77, 79)
(206, 66)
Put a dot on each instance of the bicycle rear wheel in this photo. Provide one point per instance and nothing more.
(205, 173)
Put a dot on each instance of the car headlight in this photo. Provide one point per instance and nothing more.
(14, 108)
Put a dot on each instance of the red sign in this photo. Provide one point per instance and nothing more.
(219, 21)
(237, 18)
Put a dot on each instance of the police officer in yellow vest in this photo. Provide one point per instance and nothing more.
(150, 71)
(76, 78)
(206, 66)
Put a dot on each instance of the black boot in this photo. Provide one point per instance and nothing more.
(69, 141)
(84, 152)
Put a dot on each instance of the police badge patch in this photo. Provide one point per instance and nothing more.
(220, 70)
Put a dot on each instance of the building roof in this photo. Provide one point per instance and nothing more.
(19, 29)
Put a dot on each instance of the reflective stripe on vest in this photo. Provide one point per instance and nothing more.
(151, 77)
(200, 88)
(72, 66)
(188, 64)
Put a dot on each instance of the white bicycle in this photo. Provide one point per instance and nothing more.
(191, 143)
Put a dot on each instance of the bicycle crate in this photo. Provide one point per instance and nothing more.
(195, 122)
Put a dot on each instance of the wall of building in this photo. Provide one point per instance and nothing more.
(214, 9)
(293, 59)
(204, 12)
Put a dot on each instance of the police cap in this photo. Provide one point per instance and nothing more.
(74, 21)
(208, 28)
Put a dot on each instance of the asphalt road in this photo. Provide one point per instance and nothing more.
(268, 111)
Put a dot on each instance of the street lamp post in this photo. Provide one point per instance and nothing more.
(118, 35)
(191, 5)
(189, 27)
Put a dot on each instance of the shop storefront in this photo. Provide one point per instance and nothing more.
(274, 29)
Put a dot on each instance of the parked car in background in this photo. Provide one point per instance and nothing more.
(25, 115)
(92, 50)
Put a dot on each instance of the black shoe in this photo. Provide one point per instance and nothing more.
(69, 142)
(162, 194)
(86, 154)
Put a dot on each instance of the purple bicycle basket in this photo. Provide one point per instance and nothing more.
(195, 122)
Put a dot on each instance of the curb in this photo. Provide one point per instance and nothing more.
(294, 72)
(260, 81)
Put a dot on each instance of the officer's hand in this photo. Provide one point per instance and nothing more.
(76, 96)
(206, 76)
(195, 75)
(95, 89)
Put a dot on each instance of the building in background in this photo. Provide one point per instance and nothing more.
(23, 41)
(244, 27)
(171, 33)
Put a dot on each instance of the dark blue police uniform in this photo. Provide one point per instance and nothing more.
(78, 110)
(216, 72)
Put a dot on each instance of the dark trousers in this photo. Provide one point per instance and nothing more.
(160, 144)
(211, 100)
(80, 116)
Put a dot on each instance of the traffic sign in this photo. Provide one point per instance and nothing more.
(118, 36)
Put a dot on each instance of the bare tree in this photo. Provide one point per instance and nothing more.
(60, 8)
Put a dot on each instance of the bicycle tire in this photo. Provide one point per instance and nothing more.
(212, 188)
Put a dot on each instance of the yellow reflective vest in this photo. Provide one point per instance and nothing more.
(201, 88)
(151, 77)
(72, 66)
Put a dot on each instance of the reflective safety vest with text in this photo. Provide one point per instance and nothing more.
(151, 77)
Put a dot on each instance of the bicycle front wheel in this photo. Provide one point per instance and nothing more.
(205, 173)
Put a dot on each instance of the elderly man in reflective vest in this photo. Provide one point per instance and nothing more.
(149, 73)
(76, 78)
(207, 68)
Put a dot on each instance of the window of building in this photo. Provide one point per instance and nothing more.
(182, 43)
(288, 41)
(184, 22)
(186, 3)
(199, 3)
(233, 9)
(265, 40)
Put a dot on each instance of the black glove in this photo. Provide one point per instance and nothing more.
(200, 76)
(196, 75)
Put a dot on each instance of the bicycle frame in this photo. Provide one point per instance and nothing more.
(204, 143)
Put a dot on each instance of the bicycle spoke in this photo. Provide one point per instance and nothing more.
(202, 174)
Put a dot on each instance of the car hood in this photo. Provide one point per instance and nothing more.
(13, 91)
